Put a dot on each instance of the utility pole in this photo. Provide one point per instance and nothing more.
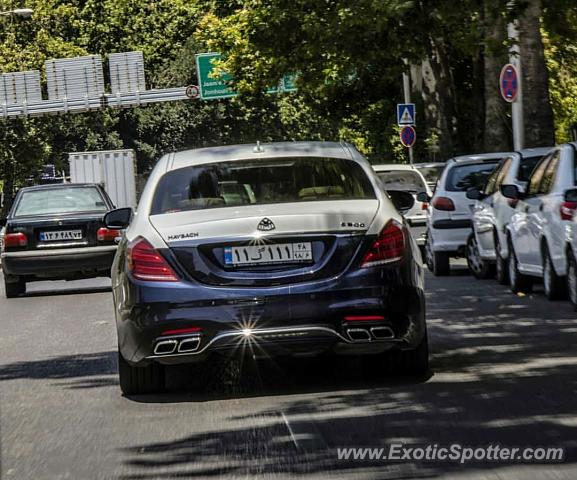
(407, 93)
(515, 60)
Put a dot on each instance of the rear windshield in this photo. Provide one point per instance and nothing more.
(431, 173)
(526, 167)
(403, 180)
(259, 182)
(60, 201)
(463, 177)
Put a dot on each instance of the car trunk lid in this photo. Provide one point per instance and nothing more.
(267, 245)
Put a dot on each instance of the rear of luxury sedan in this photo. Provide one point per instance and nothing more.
(280, 250)
(57, 232)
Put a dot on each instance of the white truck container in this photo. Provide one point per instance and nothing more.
(115, 170)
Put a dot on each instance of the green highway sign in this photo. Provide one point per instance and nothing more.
(213, 88)
(288, 83)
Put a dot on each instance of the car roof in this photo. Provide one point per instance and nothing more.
(55, 186)
(263, 151)
(429, 164)
(480, 157)
(532, 152)
(393, 166)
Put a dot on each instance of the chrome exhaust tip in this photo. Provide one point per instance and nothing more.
(382, 333)
(165, 347)
(189, 345)
(359, 335)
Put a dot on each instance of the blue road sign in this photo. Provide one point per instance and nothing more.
(509, 83)
(406, 114)
(408, 136)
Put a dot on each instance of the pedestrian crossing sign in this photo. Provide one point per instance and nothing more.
(406, 114)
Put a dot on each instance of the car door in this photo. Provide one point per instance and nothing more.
(539, 213)
(520, 225)
(484, 217)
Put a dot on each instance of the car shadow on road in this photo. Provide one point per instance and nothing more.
(78, 371)
(504, 373)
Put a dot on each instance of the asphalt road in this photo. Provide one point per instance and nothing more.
(504, 372)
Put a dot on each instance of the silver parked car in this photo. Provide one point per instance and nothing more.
(406, 178)
(537, 231)
(487, 244)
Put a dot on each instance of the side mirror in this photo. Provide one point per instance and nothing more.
(571, 195)
(118, 219)
(511, 191)
(402, 201)
(474, 194)
(423, 197)
(3, 222)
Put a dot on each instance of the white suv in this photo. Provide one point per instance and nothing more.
(487, 244)
(450, 212)
(406, 178)
(537, 231)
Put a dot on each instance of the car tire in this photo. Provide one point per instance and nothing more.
(477, 266)
(415, 361)
(554, 284)
(572, 278)
(140, 380)
(395, 362)
(501, 265)
(518, 282)
(14, 289)
(441, 264)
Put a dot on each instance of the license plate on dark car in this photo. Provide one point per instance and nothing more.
(61, 235)
(269, 254)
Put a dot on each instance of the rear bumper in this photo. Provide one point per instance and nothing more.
(295, 320)
(451, 237)
(61, 263)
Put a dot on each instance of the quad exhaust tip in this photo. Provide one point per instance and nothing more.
(367, 335)
(382, 333)
(359, 334)
(165, 347)
(189, 345)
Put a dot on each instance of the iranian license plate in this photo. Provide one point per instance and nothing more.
(61, 235)
(269, 254)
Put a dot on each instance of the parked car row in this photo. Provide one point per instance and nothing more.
(512, 215)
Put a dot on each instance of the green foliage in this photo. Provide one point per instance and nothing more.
(347, 56)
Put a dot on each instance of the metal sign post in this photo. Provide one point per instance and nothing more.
(407, 94)
(518, 119)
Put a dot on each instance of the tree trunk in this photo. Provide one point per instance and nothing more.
(439, 98)
(539, 124)
(497, 132)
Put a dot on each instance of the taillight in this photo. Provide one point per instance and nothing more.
(145, 263)
(364, 318)
(182, 331)
(567, 210)
(15, 240)
(424, 206)
(443, 203)
(389, 247)
(107, 234)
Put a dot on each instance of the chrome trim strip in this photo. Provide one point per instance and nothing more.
(263, 331)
